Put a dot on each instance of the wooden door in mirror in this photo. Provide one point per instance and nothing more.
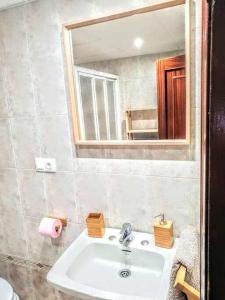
(171, 85)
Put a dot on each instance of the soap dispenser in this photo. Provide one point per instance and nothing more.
(163, 232)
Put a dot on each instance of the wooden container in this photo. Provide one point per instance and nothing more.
(163, 232)
(95, 225)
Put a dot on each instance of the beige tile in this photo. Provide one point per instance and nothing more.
(127, 199)
(13, 235)
(6, 153)
(60, 193)
(4, 110)
(17, 71)
(56, 141)
(105, 7)
(70, 233)
(19, 87)
(26, 142)
(92, 194)
(13, 28)
(9, 194)
(43, 34)
(70, 10)
(49, 85)
(32, 193)
(175, 197)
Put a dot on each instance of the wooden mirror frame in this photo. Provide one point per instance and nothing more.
(67, 39)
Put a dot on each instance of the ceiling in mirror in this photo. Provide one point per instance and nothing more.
(130, 77)
(161, 31)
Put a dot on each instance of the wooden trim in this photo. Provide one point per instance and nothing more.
(152, 130)
(134, 142)
(188, 62)
(182, 285)
(72, 85)
(71, 82)
(162, 5)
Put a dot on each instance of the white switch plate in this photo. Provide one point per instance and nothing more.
(45, 164)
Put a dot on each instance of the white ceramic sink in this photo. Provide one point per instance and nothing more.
(90, 268)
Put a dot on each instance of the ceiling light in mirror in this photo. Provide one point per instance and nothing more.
(138, 42)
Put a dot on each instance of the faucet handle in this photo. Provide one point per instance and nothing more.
(162, 219)
(126, 227)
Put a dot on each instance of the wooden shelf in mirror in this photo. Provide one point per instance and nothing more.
(152, 130)
(145, 116)
(143, 108)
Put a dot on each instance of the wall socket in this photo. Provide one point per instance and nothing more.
(47, 165)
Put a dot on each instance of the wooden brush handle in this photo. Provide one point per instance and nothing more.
(182, 285)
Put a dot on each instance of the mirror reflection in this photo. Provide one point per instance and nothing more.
(130, 77)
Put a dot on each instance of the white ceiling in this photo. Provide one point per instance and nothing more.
(8, 3)
(162, 31)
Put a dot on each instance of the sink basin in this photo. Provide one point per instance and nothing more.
(100, 268)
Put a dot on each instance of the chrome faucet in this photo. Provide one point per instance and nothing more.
(126, 234)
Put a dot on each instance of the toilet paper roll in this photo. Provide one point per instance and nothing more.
(50, 227)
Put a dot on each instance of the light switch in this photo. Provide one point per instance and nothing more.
(45, 165)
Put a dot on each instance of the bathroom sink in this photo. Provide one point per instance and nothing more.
(100, 268)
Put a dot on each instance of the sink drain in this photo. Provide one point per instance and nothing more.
(124, 273)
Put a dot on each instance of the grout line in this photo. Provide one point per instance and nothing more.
(109, 173)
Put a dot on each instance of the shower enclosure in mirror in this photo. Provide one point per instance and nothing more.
(129, 76)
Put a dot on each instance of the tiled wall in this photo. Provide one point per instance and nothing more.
(137, 77)
(137, 85)
(34, 121)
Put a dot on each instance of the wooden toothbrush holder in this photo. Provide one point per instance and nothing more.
(95, 225)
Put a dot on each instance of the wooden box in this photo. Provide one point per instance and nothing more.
(95, 225)
(163, 233)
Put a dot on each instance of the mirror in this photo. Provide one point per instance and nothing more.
(130, 76)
